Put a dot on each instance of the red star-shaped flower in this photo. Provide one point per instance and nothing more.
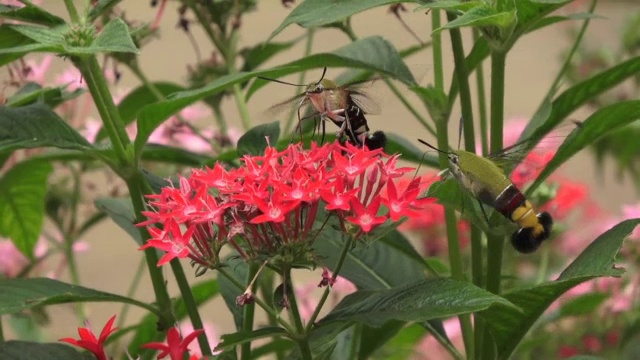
(89, 342)
(175, 347)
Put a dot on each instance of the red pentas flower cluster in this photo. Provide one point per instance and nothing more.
(268, 208)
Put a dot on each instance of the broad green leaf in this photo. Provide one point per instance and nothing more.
(22, 195)
(255, 141)
(368, 266)
(583, 305)
(577, 95)
(36, 125)
(397, 144)
(147, 329)
(21, 294)
(417, 301)
(30, 13)
(372, 339)
(483, 15)
(120, 210)
(400, 347)
(312, 13)
(239, 269)
(14, 44)
(53, 37)
(114, 37)
(174, 155)
(550, 20)
(139, 97)
(32, 92)
(26, 350)
(235, 339)
(601, 122)
(508, 326)
(450, 5)
(372, 53)
(100, 7)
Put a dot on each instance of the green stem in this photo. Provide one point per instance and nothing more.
(421, 119)
(241, 101)
(436, 44)
(269, 310)
(345, 250)
(544, 265)
(307, 51)
(97, 84)
(248, 314)
(455, 257)
(302, 337)
(463, 84)
(1, 330)
(190, 304)
(482, 103)
(73, 12)
(495, 244)
(151, 256)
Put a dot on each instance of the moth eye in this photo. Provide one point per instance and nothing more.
(453, 159)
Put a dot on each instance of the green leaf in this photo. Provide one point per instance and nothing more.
(51, 37)
(26, 350)
(483, 15)
(254, 141)
(583, 305)
(508, 326)
(21, 294)
(120, 210)
(604, 120)
(372, 339)
(101, 7)
(174, 155)
(230, 292)
(402, 346)
(368, 267)
(232, 340)
(450, 5)
(136, 99)
(372, 53)
(114, 37)
(577, 95)
(418, 301)
(14, 45)
(550, 20)
(312, 13)
(32, 92)
(30, 13)
(36, 125)
(22, 195)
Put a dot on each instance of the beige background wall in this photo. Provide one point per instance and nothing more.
(113, 258)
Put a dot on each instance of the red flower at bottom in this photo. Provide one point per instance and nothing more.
(175, 347)
(89, 342)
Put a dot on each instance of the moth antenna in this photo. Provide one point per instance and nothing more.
(324, 71)
(433, 147)
(279, 81)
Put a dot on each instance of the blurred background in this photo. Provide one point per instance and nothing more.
(112, 258)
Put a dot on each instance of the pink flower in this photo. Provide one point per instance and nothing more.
(38, 72)
(72, 78)
(430, 349)
(211, 333)
(12, 262)
(632, 212)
